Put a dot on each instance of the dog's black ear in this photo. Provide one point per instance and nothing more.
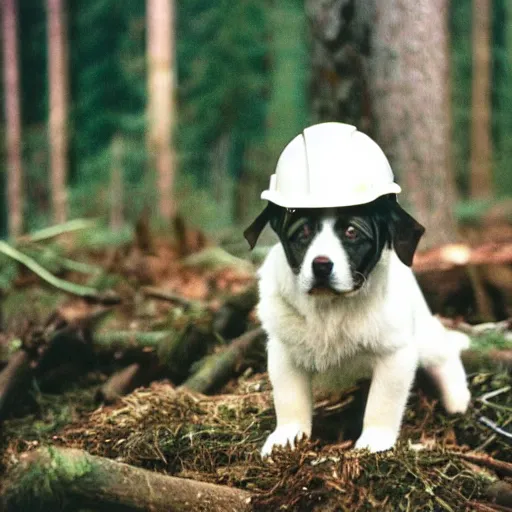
(405, 233)
(253, 232)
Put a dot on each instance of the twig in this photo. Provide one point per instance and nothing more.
(486, 421)
(218, 368)
(485, 460)
(50, 476)
(61, 284)
(158, 293)
(485, 399)
(478, 506)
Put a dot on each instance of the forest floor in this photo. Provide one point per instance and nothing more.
(160, 365)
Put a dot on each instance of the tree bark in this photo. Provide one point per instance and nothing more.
(340, 32)
(481, 161)
(12, 117)
(410, 92)
(161, 104)
(58, 83)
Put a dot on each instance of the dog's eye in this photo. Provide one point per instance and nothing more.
(351, 233)
(302, 234)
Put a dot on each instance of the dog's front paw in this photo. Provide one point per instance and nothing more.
(286, 435)
(376, 439)
(456, 400)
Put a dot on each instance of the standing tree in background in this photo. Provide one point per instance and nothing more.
(411, 105)
(481, 164)
(161, 104)
(340, 33)
(58, 85)
(12, 118)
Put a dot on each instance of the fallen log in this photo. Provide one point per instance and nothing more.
(50, 476)
(453, 255)
(220, 367)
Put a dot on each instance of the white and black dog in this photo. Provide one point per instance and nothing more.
(337, 296)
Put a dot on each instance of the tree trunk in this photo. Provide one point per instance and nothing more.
(339, 49)
(58, 84)
(411, 105)
(12, 118)
(481, 170)
(161, 103)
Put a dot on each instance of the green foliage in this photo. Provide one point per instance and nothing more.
(461, 57)
(222, 79)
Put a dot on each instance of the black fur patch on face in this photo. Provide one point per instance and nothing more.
(363, 232)
(296, 230)
(380, 221)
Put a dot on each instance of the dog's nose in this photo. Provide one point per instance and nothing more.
(322, 267)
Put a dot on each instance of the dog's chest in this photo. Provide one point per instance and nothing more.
(329, 337)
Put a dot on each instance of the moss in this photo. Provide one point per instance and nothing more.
(42, 479)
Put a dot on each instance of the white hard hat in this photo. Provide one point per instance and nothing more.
(330, 165)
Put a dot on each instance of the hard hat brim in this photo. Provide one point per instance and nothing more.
(334, 201)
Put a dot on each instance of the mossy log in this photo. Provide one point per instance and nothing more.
(50, 477)
(218, 368)
(122, 341)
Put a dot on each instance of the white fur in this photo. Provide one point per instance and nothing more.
(384, 330)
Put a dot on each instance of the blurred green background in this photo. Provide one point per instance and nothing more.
(244, 88)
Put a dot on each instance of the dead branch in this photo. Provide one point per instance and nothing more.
(475, 360)
(157, 293)
(17, 370)
(218, 368)
(479, 329)
(121, 383)
(231, 319)
(453, 255)
(122, 341)
(483, 459)
(48, 476)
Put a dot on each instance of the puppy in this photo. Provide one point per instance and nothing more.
(337, 297)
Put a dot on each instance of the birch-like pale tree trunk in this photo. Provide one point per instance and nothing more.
(481, 148)
(161, 104)
(12, 117)
(58, 115)
(410, 86)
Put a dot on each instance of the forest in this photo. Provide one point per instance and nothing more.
(137, 139)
